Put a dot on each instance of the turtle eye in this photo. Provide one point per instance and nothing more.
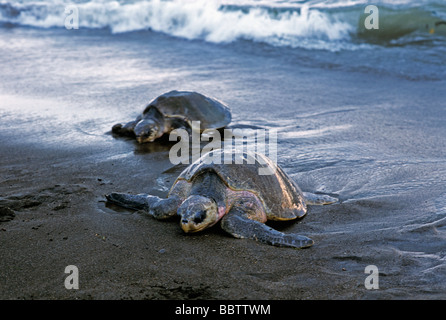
(199, 216)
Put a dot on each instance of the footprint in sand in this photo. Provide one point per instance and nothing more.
(56, 196)
(6, 214)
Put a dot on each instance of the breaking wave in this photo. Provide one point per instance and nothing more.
(331, 25)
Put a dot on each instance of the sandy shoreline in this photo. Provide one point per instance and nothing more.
(61, 219)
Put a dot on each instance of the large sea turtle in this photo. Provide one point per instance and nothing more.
(207, 192)
(175, 109)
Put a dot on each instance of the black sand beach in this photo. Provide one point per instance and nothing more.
(374, 139)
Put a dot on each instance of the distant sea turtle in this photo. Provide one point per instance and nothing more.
(205, 193)
(175, 109)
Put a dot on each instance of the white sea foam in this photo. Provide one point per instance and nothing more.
(209, 20)
(312, 24)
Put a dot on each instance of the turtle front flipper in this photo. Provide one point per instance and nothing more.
(130, 201)
(155, 206)
(126, 130)
(318, 199)
(240, 226)
(176, 122)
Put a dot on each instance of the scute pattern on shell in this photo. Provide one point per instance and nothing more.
(193, 106)
(280, 195)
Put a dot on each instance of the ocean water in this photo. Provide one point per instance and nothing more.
(360, 114)
(315, 28)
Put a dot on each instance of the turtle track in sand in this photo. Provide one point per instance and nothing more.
(50, 196)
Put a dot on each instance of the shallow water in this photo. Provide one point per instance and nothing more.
(383, 131)
(372, 137)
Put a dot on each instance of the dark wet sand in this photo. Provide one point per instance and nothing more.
(61, 219)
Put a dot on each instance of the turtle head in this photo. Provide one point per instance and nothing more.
(198, 213)
(151, 125)
(147, 130)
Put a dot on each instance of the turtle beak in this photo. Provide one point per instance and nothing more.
(197, 213)
(186, 226)
(146, 138)
(190, 226)
(195, 222)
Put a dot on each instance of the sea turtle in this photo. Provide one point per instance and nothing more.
(207, 192)
(175, 109)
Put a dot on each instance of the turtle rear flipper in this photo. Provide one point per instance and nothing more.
(243, 227)
(318, 199)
